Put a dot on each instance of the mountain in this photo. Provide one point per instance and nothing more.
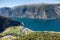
(40, 11)
(7, 22)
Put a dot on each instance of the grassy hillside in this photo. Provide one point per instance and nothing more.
(41, 36)
(13, 32)
(30, 36)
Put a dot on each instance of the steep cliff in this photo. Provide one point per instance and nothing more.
(40, 11)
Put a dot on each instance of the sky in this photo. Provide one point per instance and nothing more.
(12, 3)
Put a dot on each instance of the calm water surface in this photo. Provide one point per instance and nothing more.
(40, 24)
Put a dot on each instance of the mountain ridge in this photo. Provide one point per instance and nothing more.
(40, 11)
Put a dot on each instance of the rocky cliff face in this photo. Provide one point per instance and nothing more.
(40, 11)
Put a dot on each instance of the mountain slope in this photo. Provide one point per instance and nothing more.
(6, 22)
(35, 36)
(40, 11)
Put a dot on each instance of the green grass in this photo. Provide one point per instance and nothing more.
(31, 36)
(12, 30)
(41, 36)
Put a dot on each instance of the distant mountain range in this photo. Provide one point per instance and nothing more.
(40, 11)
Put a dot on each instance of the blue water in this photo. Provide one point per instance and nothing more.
(40, 24)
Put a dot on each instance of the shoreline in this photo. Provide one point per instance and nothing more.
(40, 31)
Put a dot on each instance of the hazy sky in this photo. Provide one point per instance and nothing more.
(11, 3)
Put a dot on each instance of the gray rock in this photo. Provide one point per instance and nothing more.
(40, 11)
